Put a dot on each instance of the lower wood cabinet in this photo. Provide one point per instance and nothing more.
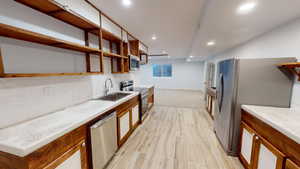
(267, 156)
(247, 146)
(127, 119)
(135, 116)
(124, 125)
(263, 147)
(75, 158)
(291, 165)
(257, 153)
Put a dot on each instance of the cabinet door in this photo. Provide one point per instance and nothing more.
(247, 146)
(213, 107)
(267, 156)
(291, 165)
(123, 126)
(135, 116)
(75, 158)
(209, 104)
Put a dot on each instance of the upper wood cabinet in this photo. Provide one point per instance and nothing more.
(291, 165)
(111, 27)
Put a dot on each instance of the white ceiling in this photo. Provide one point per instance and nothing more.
(183, 27)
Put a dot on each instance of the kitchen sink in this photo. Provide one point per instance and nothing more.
(114, 96)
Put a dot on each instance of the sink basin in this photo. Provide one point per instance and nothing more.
(114, 96)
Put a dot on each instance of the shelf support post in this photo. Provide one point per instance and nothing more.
(100, 38)
(122, 52)
(87, 55)
(2, 72)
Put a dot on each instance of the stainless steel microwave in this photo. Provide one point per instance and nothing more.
(134, 62)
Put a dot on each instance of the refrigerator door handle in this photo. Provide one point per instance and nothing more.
(220, 99)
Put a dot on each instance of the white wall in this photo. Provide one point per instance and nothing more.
(281, 42)
(26, 98)
(186, 75)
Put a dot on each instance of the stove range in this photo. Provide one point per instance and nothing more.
(128, 85)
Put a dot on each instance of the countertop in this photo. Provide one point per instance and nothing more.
(145, 86)
(285, 120)
(25, 138)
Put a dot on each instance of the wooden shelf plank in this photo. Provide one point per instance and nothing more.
(292, 67)
(108, 54)
(22, 34)
(109, 36)
(13, 75)
(52, 8)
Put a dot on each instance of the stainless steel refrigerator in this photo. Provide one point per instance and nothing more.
(247, 81)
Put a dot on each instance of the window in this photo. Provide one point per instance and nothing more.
(162, 70)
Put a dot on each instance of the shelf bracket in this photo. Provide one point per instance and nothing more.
(294, 68)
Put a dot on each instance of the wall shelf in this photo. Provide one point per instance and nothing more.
(22, 34)
(12, 75)
(65, 11)
(292, 67)
(109, 36)
(108, 54)
(51, 8)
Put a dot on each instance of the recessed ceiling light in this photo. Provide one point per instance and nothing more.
(126, 2)
(191, 56)
(246, 7)
(211, 43)
(154, 37)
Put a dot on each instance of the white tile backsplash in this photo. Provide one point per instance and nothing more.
(22, 99)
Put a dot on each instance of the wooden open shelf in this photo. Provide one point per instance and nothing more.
(22, 34)
(12, 75)
(107, 54)
(50, 7)
(110, 36)
(293, 66)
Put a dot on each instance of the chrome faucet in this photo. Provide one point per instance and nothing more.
(107, 89)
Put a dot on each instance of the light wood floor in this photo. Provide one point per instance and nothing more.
(174, 138)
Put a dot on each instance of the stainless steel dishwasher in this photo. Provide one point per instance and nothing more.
(104, 141)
